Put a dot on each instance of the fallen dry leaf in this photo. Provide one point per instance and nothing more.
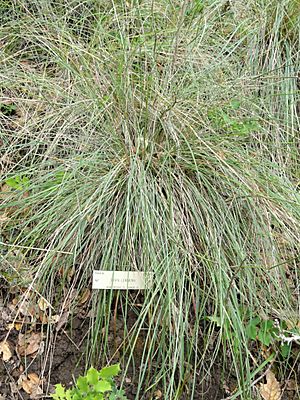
(43, 317)
(20, 380)
(18, 326)
(6, 315)
(27, 309)
(291, 384)
(10, 326)
(4, 218)
(43, 304)
(4, 192)
(63, 319)
(34, 378)
(28, 343)
(270, 390)
(158, 394)
(5, 350)
(70, 272)
(84, 296)
(54, 319)
(31, 385)
(15, 301)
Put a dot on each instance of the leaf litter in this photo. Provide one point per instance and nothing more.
(270, 390)
(29, 343)
(31, 385)
(5, 350)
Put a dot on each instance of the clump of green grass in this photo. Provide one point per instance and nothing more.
(157, 136)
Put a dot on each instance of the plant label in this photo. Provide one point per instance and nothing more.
(119, 280)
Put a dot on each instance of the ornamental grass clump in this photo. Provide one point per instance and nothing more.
(158, 137)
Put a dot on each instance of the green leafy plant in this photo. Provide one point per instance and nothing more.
(95, 385)
(18, 182)
(7, 109)
(269, 334)
(197, 7)
(224, 119)
(54, 181)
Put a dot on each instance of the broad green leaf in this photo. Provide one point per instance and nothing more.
(267, 325)
(251, 331)
(235, 104)
(251, 328)
(255, 321)
(92, 376)
(285, 350)
(283, 325)
(82, 384)
(69, 394)
(264, 337)
(252, 125)
(93, 396)
(25, 181)
(59, 392)
(265, 332)
(12, 182)
(54, 181)
(110, 372)
(226, 118)
(18, 182)
(102, 386)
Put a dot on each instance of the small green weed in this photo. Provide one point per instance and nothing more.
(195, 9)
(270, 334)
(224, 119)
(21, 182)
(7, 109)
(54, 181)
(94, 385)
(18, 182)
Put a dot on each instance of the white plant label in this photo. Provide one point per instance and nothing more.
(119, 280)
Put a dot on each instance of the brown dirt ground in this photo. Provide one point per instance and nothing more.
(64, 359)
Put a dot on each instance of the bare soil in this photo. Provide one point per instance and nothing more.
(61, 356)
